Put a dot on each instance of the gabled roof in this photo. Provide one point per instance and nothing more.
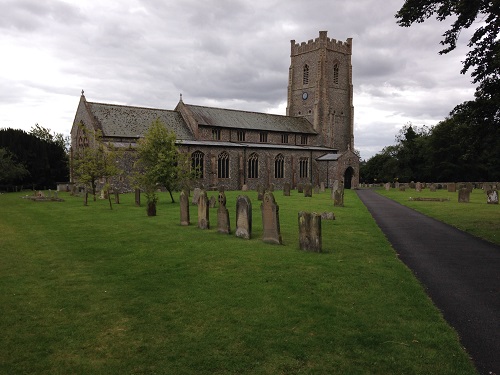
(132, 122)
(229, 118)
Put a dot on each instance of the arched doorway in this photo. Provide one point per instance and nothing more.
(349, 172)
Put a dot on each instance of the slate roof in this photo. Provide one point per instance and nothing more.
(131, 122)
(229, 118)
(329, 157)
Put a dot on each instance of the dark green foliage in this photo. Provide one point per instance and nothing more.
(46, 161)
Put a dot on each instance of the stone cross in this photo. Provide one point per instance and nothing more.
(203, 211)
(243, 217)
(184, 204)
(310, 232)
(223, 225)
(270, 220)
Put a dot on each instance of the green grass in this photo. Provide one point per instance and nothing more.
(476, 217)
(89, 290)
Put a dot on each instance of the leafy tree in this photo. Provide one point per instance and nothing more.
(10, 170)
(45, 134)
(159, 163)
(100, 161)
(484, 54)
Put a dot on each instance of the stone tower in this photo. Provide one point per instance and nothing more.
(320, 89)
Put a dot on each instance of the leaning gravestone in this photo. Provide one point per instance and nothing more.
(271, 232)
(203, 211)
(310, 232)
(492, 197)
(223, 225)
(286, 189)
(463, 195)
(196, 196)
(300, 188)
(184, 204)
(308, 190)
(243, 217)
(338, 195)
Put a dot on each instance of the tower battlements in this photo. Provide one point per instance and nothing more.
(322, 42)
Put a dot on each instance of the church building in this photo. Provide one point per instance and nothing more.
(313, 143)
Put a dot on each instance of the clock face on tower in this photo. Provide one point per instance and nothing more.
(305, 95)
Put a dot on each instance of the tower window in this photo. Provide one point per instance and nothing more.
(284, 138)
(241, 136)
(197, 163)
(305, 77)
(336, 73)
(263, 137)
(303, 167)
(223, 165)
(216, 134)
(253, 166)
(279, 166)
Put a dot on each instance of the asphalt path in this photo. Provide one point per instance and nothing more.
(460, 272)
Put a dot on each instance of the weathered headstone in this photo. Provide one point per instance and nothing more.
(396, 185)
(203, 211)
(492, 197)
(418, 186)
(469, 186)
(316, 189)
(300, 188)
(387, 186)
(243, 217)
(137, 197)
(184, 207)
(308, 190)
(244, 187)
(452, 187)
(260, 192)
(328, 216)
(286, 189)
(412, 185)
(322, 187)
(212, 203)
(463, 195)
(310, 231)
(196, 196)
(338, 195)
(402, 187)
(223, 225)
(271, 232)
(432, 188)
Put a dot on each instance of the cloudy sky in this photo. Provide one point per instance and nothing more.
(223, 53)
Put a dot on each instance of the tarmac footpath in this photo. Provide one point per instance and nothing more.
(460, 272)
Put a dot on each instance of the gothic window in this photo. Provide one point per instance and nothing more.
(216, 134)
(305, 78)
(284, 138)
(263, 137)
(303, 167)
(80, 142)
(223, 165)
(197, 163)
(336, 73)
(303, 139)
(279, 166)
(253, 166)
(241, 136)
(85, 142)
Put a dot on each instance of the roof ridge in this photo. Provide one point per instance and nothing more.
(240, 110)
(132, 106)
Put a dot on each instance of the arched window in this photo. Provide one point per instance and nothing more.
(197, 163)
(303, 167)
(336, 73)
(223, 165)
(253, 166)
(305, 77)
(279, 166)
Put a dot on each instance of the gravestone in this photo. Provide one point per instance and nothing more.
(286, 189)
(203, 211)
(338, 195)
(396, 185)
(244, 187)
(387, 186)
(463, 195)
(271, 188)
(184, 207)
(487, 187)
(308, 190)
(223, 225)
(271, 232)
(418, 186)
(212, 203)
(469, 186)
(243, 217)
(412, 185)
(452, 187)
(402, 188)
(335, 186)
(310, 232)
(492, 197)
(300, 188)
(328, 216)
(138, 197)
(260, 192)
(316, 189)
(432, 188)
(196, 196)
(322, 187)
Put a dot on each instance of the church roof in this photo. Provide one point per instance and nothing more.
(132, 122)
(230, 118)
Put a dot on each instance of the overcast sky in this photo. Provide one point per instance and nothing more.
(222, 53)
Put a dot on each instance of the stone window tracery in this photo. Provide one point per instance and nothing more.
(279, 166)
(223, 165)
(303, 167)
(253, 166)
(197, 163)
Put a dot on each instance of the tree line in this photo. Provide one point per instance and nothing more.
(35, 160)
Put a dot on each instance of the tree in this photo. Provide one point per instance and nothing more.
(160, 164)
(10, 170)
(45, 134)
(100, 161)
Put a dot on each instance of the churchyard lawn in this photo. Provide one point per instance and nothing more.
(86, 290)
(475, 217)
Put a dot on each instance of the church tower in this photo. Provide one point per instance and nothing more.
(320, 89)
